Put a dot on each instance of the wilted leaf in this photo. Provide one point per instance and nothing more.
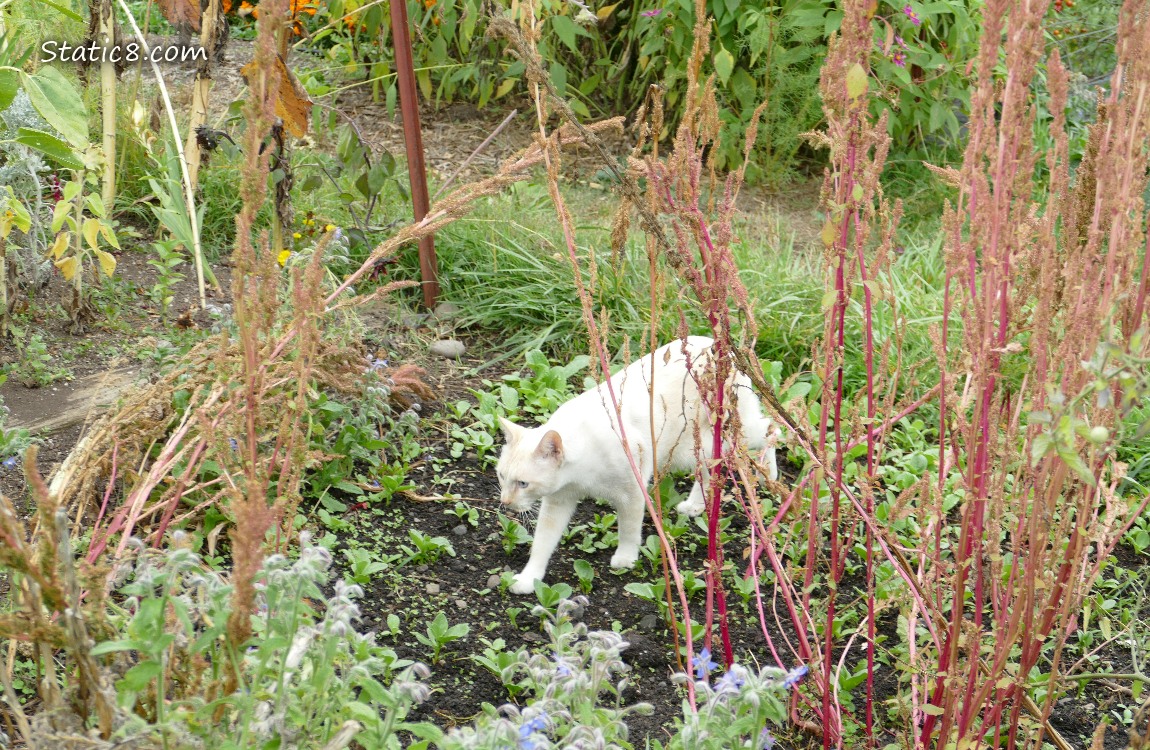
(506, 86)
(109, 235)
(292, 103)
(20, 218)
(91, 232)
(60, 245)
(829, 233)
(68, 267)
(603, 13)
(107, 262)
(182, 13)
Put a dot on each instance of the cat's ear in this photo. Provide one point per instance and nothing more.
(551, 447)
(511, 431)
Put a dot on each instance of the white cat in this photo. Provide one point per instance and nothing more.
(579, 453)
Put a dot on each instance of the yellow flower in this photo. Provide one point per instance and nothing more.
(297, 236)
(283, 256)
(329, 228)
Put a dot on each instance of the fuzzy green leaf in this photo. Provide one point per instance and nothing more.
(51, 146)
(59, 102)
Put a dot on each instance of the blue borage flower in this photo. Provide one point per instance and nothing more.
(703, 664)
(561, 667)
(729, 681)
(795, 676)
(766, 740)
(9, 463)
(527, 740)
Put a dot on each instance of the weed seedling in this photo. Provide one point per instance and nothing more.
(167, 260)
(363, 564)
(550, 596)
(426, 549)
(497, 660)
(439, 634)
(464, 512)
(33, 366)
(512, 534)
(586, 574)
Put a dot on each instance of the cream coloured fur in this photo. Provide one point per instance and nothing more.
(579, 454)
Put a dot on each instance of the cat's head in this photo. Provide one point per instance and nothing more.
(528, 467)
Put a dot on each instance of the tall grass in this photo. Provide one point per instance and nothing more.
(509, 278)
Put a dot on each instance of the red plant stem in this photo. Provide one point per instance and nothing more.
(714, 510)
(107, 491)
(870, 474)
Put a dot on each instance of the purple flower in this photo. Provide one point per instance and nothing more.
(652, 13)
(899, 58)
(766, 741)
(10, 462)
(795, 676)
(538, 724)
(703, 664)
(909, 11)
(898, 40)
(729, 681)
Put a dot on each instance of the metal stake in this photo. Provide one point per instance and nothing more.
(413, 141)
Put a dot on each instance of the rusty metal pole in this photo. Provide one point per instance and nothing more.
(413, 141)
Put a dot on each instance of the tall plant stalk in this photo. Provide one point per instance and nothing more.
(106, 30)
(189, 191)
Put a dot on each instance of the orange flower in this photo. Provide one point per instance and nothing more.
(298, 7)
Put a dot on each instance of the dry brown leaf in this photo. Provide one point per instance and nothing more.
(292, 103)
(184, 13)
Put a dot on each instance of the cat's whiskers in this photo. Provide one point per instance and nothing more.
(528, 517)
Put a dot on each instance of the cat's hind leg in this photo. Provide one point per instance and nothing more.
(554, 516)
(629, 509)
(696, 501)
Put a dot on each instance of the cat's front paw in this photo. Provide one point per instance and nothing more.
(623, 559)
(524, 584)
(690, 508)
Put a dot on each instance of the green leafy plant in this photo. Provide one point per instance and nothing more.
(586, 575)
(34, 365)
(549, 596)
(440, 634)
(363, 564)
(167, 261)
(425, 549)
(496, 659)
(512, 534)
(464, 512)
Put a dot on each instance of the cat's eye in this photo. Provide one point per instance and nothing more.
(521, 484)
